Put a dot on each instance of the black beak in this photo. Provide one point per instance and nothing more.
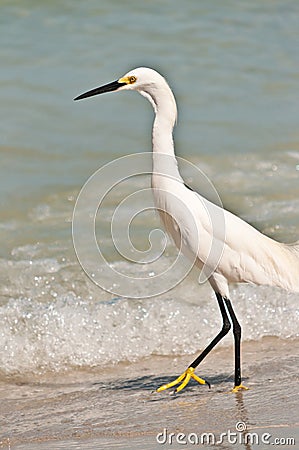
(100, 90)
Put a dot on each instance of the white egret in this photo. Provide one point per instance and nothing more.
(247, 255)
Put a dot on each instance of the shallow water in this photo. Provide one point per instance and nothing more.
(234, 70)
(117, 408)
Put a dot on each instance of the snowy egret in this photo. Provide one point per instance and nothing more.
(247, 255)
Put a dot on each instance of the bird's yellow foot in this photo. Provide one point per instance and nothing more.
(239, 388)
(184, 380)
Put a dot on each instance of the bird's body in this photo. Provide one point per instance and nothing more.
(247, 256)
(225, 247)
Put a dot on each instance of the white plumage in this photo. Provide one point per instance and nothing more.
(227, 248)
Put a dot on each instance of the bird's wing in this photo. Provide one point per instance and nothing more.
(244, 254)
(225, 244)
(250, 256)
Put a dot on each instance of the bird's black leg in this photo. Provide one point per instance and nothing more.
(189, 373)
(224, 305)
(225, 329)
(237, 338)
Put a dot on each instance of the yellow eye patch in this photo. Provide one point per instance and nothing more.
(128, 80)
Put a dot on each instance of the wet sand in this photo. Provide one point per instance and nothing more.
(116, 408)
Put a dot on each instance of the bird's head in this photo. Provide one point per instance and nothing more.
(147, 82)
(141, 79)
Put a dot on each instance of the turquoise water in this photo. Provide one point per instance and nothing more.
(234, 69)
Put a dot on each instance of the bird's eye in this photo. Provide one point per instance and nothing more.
(132, 79)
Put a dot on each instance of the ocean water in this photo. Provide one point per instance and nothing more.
(234, 70)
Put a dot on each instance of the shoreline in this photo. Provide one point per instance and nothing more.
(115, 407)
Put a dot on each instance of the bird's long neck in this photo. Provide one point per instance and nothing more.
(164, 160)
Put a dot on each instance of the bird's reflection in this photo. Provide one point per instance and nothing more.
(243, 420)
